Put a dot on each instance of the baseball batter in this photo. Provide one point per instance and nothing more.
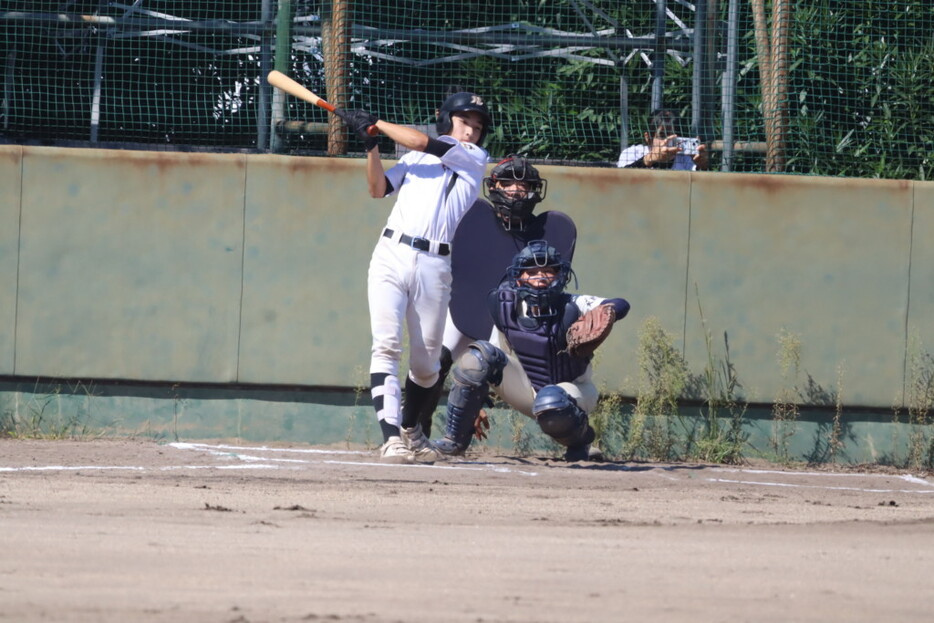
(409, 278)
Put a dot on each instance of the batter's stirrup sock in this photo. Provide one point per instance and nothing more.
(427, 413)
(377, 381)
(412, 405)
(385, 402)
(388, 430)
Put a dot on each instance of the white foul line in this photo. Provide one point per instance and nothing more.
(788, 484)
(215, 450)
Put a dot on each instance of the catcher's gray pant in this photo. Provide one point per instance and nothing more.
(517, 391)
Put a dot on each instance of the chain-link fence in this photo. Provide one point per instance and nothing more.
(828, 87)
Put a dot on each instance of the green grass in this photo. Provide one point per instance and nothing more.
(41, 416)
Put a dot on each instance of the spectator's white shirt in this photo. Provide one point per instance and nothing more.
(633, 153)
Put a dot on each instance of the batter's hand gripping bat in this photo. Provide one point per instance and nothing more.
(286, 84)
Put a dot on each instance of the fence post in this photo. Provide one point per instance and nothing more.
(705, 62)
(729, 84)
(282, 62)
(263, 110)
(699, 76)
(623, 108)
(658, 57)
(96, 98)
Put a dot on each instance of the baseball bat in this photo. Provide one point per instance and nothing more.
(286, 84)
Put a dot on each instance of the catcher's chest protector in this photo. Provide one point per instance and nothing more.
(541, 349)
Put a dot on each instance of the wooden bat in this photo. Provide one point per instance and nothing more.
(286, 84)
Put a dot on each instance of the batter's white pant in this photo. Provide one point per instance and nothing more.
(454, 340)
(407, 289)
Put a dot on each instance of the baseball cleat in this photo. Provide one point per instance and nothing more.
(594, 453)
(449, 447)
(394, 451)
(419, 445)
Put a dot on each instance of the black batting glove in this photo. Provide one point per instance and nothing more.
(359, 121)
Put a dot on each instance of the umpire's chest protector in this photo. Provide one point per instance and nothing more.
(539, 343)
(483, 250)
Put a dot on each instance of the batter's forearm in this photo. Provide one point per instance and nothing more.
(375, 175)
(410, 138)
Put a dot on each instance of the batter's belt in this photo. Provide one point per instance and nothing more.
(422, 244)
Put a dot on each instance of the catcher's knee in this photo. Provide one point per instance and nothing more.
(481, 364)
(559, 416)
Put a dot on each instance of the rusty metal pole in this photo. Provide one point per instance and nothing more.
(781, 25)
(764, 52)
(335, 45)
(772, 50)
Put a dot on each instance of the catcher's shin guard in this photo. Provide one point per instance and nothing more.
(481, 365)
(560, 418)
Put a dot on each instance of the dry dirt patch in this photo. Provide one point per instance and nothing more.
(139, 531)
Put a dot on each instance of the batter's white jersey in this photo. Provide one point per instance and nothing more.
(428, 204)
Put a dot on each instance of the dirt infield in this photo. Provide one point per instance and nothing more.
(110, 531)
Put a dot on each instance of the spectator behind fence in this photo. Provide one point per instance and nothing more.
(664, 148)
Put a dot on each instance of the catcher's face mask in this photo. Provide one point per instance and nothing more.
(541, 296)
(538, 278)
(511, 174)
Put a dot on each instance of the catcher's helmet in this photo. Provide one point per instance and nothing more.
(463, 101)
(514, 210)
(539, 254)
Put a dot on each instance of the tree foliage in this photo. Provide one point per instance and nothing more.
(859, 103)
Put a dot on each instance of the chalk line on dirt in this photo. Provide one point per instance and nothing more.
(823, 487)
(244, 459)
(232, 452)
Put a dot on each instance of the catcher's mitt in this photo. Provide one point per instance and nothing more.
(590, 330)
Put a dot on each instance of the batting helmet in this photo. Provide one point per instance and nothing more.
(463, 101)
(514, 210)
(539, 254)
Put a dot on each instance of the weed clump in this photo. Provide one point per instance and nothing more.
(662, 378)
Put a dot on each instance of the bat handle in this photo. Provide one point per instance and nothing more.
(372, 130)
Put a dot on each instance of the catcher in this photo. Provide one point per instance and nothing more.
(538, 358)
